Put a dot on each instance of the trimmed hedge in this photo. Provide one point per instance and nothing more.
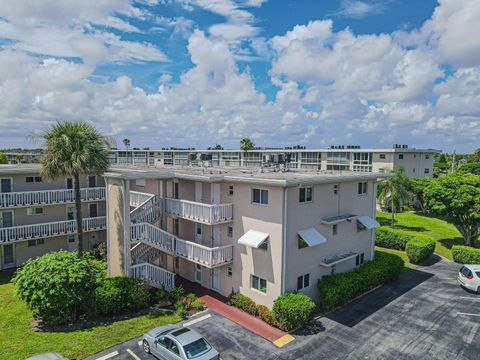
(244, 303)
(293, 310)
(419, 249)
(339, 289)
(392, 238)
(465, 254)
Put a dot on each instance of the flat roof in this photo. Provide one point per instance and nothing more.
(20, 169)
(281, 151)
(292, 177)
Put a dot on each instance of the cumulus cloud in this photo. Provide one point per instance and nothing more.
(358, 9)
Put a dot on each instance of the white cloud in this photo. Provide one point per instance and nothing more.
(358, 9)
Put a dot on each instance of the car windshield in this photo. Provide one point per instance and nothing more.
(478, 273)
(197, 348)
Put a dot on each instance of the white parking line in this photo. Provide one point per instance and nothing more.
(133, 354)
(108, 356)
(467, 314)
(469, 297)
(194, 321)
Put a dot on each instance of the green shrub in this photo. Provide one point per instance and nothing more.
(267, 315)
(176, 294)
(293, 310)
(419, 249)
(465, 254)
(392, 238)
(58, 287)
(198, 304)
(243, 302)
(339, 289)
(119, 294)
(180, 310)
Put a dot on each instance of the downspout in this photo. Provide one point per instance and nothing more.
(374, 217)
(284, 241)
(108, 227)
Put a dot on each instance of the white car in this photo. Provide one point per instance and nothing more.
(469, 277)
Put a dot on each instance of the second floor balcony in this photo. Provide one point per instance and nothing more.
(196, 211)
(49, 197)
(50, 229)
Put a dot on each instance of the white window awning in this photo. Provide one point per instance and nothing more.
(368, 222)
(253, 238)
(312, 237)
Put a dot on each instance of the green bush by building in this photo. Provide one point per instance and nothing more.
(466, 254)
(419, 249)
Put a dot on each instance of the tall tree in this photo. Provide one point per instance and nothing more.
(246, 144)
(126, 142)
(393, 192)
(74, 149)
(456, 198)
(417, 187)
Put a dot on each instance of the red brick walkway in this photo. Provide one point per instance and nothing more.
(217, 303)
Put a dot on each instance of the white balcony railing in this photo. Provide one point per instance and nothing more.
(46, 197)
(197, 211)
(138, 198)
(154, 275)
(204, 255)
(153, 236)
(44, 230)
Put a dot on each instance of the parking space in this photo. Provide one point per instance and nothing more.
(422, 315)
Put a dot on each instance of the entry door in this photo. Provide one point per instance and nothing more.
(216, 193)
(5, 185)
(8, 256)
(198, 191)
(215, 235)
(71, 243)
(6, 219)
(69, 183)
(215, 279)
(198, 273)
(92, 209)
(198, 233)
(92, 181)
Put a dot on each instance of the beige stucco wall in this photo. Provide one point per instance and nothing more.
(116, 224)
(20, 184)
(415, 164)
(305, 215)
(385, 164)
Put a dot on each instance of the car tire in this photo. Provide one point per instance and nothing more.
(478, 290)
(146, 346)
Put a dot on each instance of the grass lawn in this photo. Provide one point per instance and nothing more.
(18, 339)
(445, 234)
(400, 253)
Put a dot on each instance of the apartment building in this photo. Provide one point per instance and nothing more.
(416, 162)
(38, 216)
(258, 232)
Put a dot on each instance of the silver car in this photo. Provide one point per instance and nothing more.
(178, 343)
(469, 277)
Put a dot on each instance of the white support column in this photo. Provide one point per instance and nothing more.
(126, 224)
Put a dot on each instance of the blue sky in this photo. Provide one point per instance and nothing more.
(282, 72)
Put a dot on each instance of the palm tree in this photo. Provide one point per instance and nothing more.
(394, 192)
(74, 149)
(126, 142)
(246, 144)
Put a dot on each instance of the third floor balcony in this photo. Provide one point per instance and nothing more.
(49, 197)
(199, 212)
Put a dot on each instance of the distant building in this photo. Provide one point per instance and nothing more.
(416, 162)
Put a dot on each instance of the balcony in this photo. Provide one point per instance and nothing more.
(139, 198)
(45, 230)
(154, 275)
(49, 197)
(204, 213)
(163, 240)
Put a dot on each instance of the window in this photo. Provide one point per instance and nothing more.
(92, 181)
(230, 231)
(362, 188)
(427, 156)
(360, 226)
(169, 344)
(175, 190)
(36, 242)
(400, 156)
(229, 271)
(176, 226)
(230, 190)
(305, 194)
(360, 259)
(334, 229)
(303, 281)
(259, 284)
(177, 262)
(31, 243)
(382, 156)
(40, 241)
(92, 210)
(70, 212)
(413, 169)
(427, 171)
(140, 182)
(197, 348)
(35, 211)
(335, 189)
(301, 243)
(198, 228)
(260, 196)
(33, 179)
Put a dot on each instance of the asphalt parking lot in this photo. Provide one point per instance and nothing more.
(422, 315)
